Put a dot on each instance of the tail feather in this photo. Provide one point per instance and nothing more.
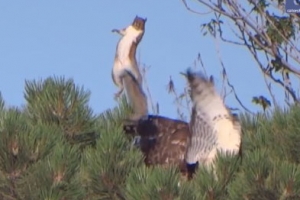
(204, 96)
(212, 126)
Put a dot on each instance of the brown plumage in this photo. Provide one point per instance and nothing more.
(162, 140)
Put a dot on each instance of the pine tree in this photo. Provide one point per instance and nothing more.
(56, 148)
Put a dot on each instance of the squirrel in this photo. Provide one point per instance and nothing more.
(125, 57)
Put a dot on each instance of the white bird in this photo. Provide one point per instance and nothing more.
(212, 126)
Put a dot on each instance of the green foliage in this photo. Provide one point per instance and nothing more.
(38, 161)
(114, 117)
(284, 25)
(2, 110)
(54, 178)
(109, 163)
(210, 185)
(260, 5)
(22, 146)
(262, 101)
(269, 35)
(1, 102)
(59, 102)
(154, 183)
(270, 153)
(211, 27)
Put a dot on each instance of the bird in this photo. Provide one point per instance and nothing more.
(163, 140)
(212, 126)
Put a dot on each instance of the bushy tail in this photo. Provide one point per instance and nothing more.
(135, 96)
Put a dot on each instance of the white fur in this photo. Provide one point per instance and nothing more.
(122, 61)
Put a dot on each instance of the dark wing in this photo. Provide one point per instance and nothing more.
(163, 140)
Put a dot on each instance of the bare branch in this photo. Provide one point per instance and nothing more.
(171, 90)
(144, 69)
(225, 77)
(222, 37)
(237, 16)
(274, 35)
(199, 59)
(193, 11)
(269, 84)
(268, 72)
(218, 10)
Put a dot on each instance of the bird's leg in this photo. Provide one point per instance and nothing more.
(191, 169)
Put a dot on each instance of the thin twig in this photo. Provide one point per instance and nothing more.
(269, 84)
(171, 89)
(224, 73)
(144, 72)
(193, 11)
(268, 73)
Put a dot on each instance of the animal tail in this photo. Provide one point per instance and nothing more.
(135, 96)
